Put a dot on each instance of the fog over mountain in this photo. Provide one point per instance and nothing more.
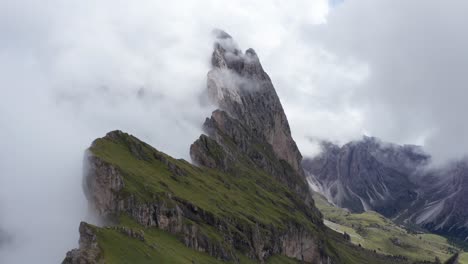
(72, 71)
(415, 52)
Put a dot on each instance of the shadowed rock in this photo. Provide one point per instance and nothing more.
(372, 175)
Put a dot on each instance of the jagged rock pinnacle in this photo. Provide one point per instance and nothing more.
(238, 84)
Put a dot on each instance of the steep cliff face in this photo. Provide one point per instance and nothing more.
(250, 120)
(238, 84)
(441, 204)
(89, 251)
(225, 216)
(363, 176)
(246, 201)
(241, 216)
(392, 180)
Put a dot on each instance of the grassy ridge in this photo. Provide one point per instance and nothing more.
(158, 247)
(375, 232)
(253, 196)
(248, 198)
(162, 247)
(463, 258)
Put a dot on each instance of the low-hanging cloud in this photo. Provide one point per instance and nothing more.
(415, 53)
(71, 71)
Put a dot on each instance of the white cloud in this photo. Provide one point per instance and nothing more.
(416, 53)
(71, 71)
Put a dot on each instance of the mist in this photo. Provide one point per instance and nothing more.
(73, 71)
(415, 51)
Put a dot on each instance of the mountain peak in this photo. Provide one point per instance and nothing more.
(239, 86)
(220, 34)
(227, 55)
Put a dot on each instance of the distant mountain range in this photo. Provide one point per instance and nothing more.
(395, 181)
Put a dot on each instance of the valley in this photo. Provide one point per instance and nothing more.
(375, 232)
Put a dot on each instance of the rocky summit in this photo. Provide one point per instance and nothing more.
(395, 181)
(250, 114)
(245, 198)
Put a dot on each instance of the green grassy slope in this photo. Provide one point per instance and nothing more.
(158, 247)
(463, 258)
(250, 197)
(375, 232)
(162, 247)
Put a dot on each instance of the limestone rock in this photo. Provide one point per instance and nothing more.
(88, 251)
(238, 84)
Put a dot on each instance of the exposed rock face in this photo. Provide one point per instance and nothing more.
(138, 234)
(240, 87)
(249, 133)
(441, 205)
(89, 251)
(104, 182)
(248, 146)
(251, 130)
(392, 180)
(230, 142)
(355, 177)
(250, 118)
(101, 184)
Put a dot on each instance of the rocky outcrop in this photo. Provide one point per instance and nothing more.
(88, 251)
(238, 84)
(247, 155)
(393, 180)
(170, 213)
(101, 183)
(138, 234)
(441, 204)
(355, 177)
(230, 145)
(250, 126)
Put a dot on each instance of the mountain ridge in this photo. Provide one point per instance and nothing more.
(238, 213)
(245, 201)
(396, 181)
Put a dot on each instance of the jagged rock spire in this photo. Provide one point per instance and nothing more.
(238, 84)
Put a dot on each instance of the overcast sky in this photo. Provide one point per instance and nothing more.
(73, 70)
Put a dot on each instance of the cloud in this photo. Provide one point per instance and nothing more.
(415, 52)
(73, 71)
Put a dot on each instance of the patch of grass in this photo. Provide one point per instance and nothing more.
(245, 200)
(463, 258)
(351, 254)
(248, 197)
(252, 196)
(375, 232)
(158, 247)
(162, 247)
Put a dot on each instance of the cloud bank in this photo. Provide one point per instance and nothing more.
(73, 71)
(415, 53)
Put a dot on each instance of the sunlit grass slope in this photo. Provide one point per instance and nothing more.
(250, 198)
(373, 231)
